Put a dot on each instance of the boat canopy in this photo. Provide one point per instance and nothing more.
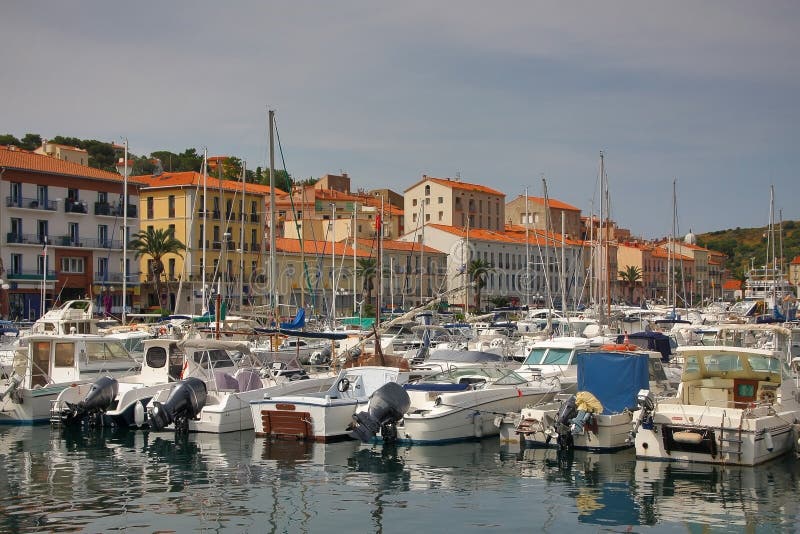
(615, 378)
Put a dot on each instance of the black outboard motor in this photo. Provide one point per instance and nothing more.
(386, 407)
(99, 399)
(564, 418)
(185, 401)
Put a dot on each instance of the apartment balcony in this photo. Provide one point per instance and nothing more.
(254, 217)
(75, 206)
(100, 278)
(30, 203)
(255, 247)
(113, 210)
(30, 275)
(24, 239)
(86, 242)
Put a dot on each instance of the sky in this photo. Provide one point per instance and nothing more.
(509, 94)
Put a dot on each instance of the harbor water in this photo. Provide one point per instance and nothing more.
(106, 481)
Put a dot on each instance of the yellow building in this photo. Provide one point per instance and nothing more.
(233, 238)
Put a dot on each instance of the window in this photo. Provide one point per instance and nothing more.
(102, 235)
(441, 200)
(253, 207)
(253, 234)
(427, 190)
(41, 264)
(171, 229)
(99, 351)
(171, 268)
(102, 268)
(216, 233)
(16, 264)
(427, 202)
(16, 193)
(74, 237)
(72, 194)
(427, 217)
(414, 202)
(156, 357)
(441, 215)
(64, 355)
(41, 231)
(41, 195)
(16, 230)
(149, 207)
(72, 265)
(413, 217)
(102, 197)
(171, 206)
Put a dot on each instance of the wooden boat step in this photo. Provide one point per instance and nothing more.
(295, 425)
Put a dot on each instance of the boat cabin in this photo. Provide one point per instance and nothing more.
(729, 377)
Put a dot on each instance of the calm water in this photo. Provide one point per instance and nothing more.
(138, 482)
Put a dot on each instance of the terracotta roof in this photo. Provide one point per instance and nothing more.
(193, 178)
(557, 204)
(795, 261)
(518, 232)
(23, 160)
(732, 285)
(292, 246)
(659, 252)
(409, 246)
(536, 237)
(312, 195)
(458, 184)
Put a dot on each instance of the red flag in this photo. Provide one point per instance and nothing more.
(378, 223)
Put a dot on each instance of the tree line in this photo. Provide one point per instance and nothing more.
(104, 155)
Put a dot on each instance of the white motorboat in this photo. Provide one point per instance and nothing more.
(556, 357)
(735, 405)
(323, 416)
(46, 364)
(599, 416)
(463, 402)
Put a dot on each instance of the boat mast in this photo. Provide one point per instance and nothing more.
(353, 228)
(241, 239)
(333, 262)
(601, 245)
(204, 304)
(527, 253)
(125, 232)
(272, 265)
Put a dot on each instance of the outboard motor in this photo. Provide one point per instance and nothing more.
(564, 418)
(185, 401)
(386, 407)
(99, 399)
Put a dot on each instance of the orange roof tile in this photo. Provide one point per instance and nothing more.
(659, 252)
(732, 285)
(409, 246)
(557, 204)
(292, 246)
(195, 179)
(796, 261)
(23, 160)
(457, 184)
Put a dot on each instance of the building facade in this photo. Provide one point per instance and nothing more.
(450, 202)
(61, 230)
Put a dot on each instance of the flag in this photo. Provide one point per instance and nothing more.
(378, 224)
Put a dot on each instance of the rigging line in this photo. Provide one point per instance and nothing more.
(291, 202)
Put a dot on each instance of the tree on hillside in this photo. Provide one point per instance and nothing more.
(283, 180)
(28, 142)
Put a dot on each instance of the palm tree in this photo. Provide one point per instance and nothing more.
(156, 243)
(477, 270)
(631, 275)
(367, 269)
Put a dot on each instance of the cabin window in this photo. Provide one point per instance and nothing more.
(64, 355)
(764, 363)
(213, 359)
(557, 357)
(156, 357)
(105, 351)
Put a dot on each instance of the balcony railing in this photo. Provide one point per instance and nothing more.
(30, 275)
(24, 239)
(133, 278)
(113, 210)
(254, 217)
(75, 206)
(255, 247)
(30, 203)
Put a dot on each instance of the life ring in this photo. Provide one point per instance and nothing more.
(766, 396)
(162, 331)
(343, 385)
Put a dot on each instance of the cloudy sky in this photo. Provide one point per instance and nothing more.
(500, 93)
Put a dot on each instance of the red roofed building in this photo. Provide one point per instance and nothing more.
(453, 203)
(533, 213)
(77, 210)
(794, 272)
(731, 290)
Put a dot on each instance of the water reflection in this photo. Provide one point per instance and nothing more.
(137, 481)
(619, 490)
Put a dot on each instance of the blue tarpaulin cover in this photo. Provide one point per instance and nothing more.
(614, 378)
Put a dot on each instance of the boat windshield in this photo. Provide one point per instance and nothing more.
(557, 357)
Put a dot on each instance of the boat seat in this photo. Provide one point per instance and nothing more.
(225, 381)
(248, 380)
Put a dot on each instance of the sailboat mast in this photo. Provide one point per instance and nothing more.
(272, 265)
(241, 238)
(601, 274)
(204, 304)
(527, 253)
(333, 262)
(353, 228)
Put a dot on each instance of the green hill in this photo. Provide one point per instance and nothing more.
(743, 245)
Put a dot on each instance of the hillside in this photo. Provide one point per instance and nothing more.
(743, 245)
